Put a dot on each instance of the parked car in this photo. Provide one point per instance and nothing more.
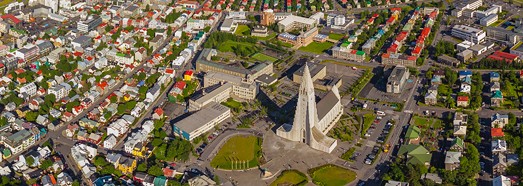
(368, 161)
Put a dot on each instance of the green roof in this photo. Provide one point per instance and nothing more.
(120, 54)
(457, 141)
(160, 180)
(6, 152)
(360, 53)
(416, 154)
(497, 94)
(413, 132)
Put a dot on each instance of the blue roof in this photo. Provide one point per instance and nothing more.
(465, 73)
(494, 74)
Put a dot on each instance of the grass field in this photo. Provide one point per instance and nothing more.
(270, 36)
(239, 152)
(233, 104)
(290, 177)
(336, 36)
(317, 48)
(243, 30)
(367, 122)
(263, 57)
(328, 175)
(227, 46)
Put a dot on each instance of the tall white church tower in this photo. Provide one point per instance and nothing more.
(305, 126)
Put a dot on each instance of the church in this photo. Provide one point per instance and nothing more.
(312, 121)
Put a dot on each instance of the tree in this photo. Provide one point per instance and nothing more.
(29, 160)
(142, 167)
(76, 183)
(46, 164)
(31, 116)
(113, 99)
(155, 171)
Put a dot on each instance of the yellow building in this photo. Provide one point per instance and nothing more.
(139, 150)
(126, 165)
(187, 76)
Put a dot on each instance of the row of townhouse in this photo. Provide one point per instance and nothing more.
(120, 126)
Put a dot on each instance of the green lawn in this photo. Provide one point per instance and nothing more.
(328, 175)
(270, 36)
(228, 46)
(243, 30)
(336, 36)
(290, 177)
(239, 152)
(4, 3)
(263, 57)
(317, 48)
(367, 122)
(510, 28)
(233, 104)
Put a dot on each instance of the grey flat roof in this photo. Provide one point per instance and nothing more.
(211, 93)
(202, 117)
(397, 73)
(315, 68)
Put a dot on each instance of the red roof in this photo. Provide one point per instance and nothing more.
(497, 132)
(432, 15)
(416, 50)
(189, 73)
(102, 84)
(412, 58)
(159, 111)
(425, 32)
(401, 36)
(180, 85)
(169, 71)
(500, 56)
(463, 98)
(391, 19)
(385, 55)
(396, 9)
(11, 17)
(78, 54)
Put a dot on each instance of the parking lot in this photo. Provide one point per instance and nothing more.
(376, 139)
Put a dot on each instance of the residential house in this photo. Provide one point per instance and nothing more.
(460, 130)
(495, 86)
(462, 101)
(499, 146)
(498, 120)
(499, 164)
(494, 77)
(203, 180)
(413, 134)
(496, 98)
(87, 123)
(35, 103)
(431, 98)
(29, 88)
(457, 144)
(126, 165)
(503, 181)
(153, 92)
(460, 119)
(452, 161)
(158, 113)
(110, 142)
(415, 154)
(497, 133)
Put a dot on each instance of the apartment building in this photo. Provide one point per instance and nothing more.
(90, 24)
(60, 91)
(468, 33)
(19, 141)
(397, 79)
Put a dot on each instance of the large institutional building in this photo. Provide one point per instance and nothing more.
(468, 33)
(313, 120)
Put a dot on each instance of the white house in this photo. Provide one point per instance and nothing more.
(110, 142)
